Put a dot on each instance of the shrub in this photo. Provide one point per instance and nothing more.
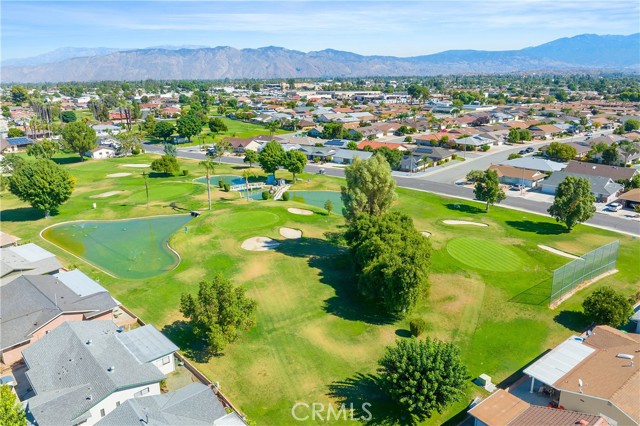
(417, 326)
(285, 196)
(485, 148)
(454, 157)
(185, 172)
(226, 187)
(266, 195)
(135, 150)
(220, 184)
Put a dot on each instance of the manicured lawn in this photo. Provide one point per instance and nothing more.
(314, 339)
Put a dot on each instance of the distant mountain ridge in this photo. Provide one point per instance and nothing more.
(586, 52)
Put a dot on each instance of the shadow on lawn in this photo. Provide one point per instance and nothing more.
(465, 208)
(181, 333)
(334, 265)
(22, 214)
(573, 320)
(365, 393)
(538, 294)
(67, 160)
(542, 228)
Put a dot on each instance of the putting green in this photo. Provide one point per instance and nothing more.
(134, 248)
(483, 254)
(244, 221)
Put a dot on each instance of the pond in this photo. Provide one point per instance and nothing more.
(318, 198)
(230, 179)
(132, 248)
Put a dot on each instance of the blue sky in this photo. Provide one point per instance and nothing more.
(399, 28)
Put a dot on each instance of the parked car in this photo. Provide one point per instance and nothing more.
(522, 152)
(530, 149)
(516, 187)
(614, 207)
(211, 152)
(322, 171)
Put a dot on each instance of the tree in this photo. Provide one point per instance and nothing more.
(605, 306)
(68, 116)
(272, 126)
(271, 157)
(221, 147)
(573, 202)
(14, 132)
(393, 156)
(218, 312)
(170, 149)
(514, 136)
(513, 156)
(43, 184)
(488, 189)
(328, 206)
(10, 163)
(294, 162)
(562, 152)
(250, 157)
(391, 258)
(188, 126)
(165, 164)
(19, 94)
(210, 166)
(45, 149)
(80, 138)
(216, 125)
(627, 149)
(631, 124)
(129, 142)
(423, 376)
(11, 411)
(164, 130)
(332, 131)
(418, 92)
(352, 146)
(149, 125)
(610, 155)
(370, 188)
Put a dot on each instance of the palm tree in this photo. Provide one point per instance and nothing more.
(246, 174)
(210, 167)
(628, 148)
(272, 125)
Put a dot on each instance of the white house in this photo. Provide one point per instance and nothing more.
(101, 152)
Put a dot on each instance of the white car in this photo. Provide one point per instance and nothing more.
(614, 207)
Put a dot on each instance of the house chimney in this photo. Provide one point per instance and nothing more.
(88, 342)
(111, 369)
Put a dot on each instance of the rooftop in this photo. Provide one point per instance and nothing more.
(613, 172)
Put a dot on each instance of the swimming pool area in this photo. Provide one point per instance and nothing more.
(131, 248)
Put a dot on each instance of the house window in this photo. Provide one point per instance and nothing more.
(166, 360)
(142, 392)
(102, 412)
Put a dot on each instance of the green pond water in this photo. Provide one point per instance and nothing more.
(318, 198)
(133, 248)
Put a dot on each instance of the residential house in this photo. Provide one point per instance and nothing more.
(314, 133)
(502, 408)
(368, 132)
(471, 143)
(376, 145)
(14, 144)
(615, 173)
(192, 405)
(33, 305)
(604, 189)
(8, 240)
(544, 131)
(318, 153)
(306, 125)
(82, 371)
(509, 175)
(337, 143)
(101, 152)
(631, 198)
(434, 153)
(347, 156)
(537, 164)
(595, 374)
(27, 259)
(240, 145)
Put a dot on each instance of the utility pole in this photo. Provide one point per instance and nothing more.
(146, 186)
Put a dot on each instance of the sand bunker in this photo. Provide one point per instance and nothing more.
(558, 252)
(291, 233)
(259, 244)
(426, 234)
(106, 194)
(463, 222)
(119, 174)
(136, 165)
(300, 211)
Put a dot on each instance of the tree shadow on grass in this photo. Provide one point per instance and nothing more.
(22, 214)
(365, 393)
(181, 333)
(67, 160)
(573, 320)
(336, 270)
(465, 208)
(401, 332)
(541, 228)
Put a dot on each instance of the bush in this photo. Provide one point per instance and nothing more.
(266, 195)
(417, 326)
(285, 196)
(454, 157)
(185, 172)
(135, 150)
(513, 156)
(226, 187)
(220, 184)
(485, 148)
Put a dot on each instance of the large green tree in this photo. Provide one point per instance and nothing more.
(68, 116)
(391, 258)
(605, 306)
(217, 125)
(271, 157)
(251, 157)
(573, 202)
(43, 184)
(561, 151)
(370, 188)
(393, 156)
(45, 149)
(166, 164)
(631, 124)
(488, 189)
(11, 412)
(294, 162)
(423, 376)
(80, 138)
(189, 126)
(164, 130)
(19, 94)
(218, 312)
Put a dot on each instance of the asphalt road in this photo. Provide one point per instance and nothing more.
(444, 186)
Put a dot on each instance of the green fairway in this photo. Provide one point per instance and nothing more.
(483, 254)
(133, 248)
(315, 339)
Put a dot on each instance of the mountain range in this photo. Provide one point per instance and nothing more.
(583, 53)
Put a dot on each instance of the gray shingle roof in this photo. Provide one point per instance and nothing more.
(599, 184)
(146, 343)
(30, 301)
(77, 365)
(26, 259)
(192, 405)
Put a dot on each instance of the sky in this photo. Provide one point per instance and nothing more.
(368, 27)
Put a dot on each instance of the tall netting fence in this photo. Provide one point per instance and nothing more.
(567, 277)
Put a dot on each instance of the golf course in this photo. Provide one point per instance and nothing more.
(315, 340)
